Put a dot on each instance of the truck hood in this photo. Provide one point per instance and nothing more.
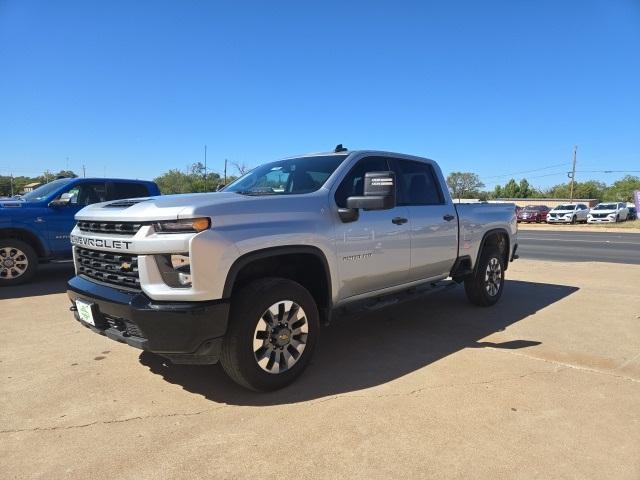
(165, 207)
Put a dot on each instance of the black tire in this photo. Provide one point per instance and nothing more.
(574, 220)
(248, 308)
(24, 259)
(617, 218)
(477, 286)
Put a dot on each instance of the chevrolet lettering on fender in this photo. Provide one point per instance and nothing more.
(247, 275)
(99, 242)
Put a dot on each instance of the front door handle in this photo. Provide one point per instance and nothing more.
(399, 220)
(448, 217)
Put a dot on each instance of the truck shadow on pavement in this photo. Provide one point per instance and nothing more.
(375, 348)
(49, 279)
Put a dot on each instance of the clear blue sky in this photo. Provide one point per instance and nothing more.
(494, 87)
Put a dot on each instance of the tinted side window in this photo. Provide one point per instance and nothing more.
(418, 184)
(87, 193)
(353, 184)
(118, 191)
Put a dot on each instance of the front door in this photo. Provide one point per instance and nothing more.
(374, 251)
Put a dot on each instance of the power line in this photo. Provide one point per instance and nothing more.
(535, 176)
(608, 171)
(528, 171)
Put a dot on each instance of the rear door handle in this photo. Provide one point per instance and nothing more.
(448, 217)
(399, 220)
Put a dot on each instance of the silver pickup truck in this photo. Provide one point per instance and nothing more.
(246, 276)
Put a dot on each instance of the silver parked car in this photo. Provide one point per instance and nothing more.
(608, 212)
(568, 213)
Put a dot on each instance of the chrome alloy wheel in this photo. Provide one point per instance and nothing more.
(493, 277)
(280, 337)
(13, 262)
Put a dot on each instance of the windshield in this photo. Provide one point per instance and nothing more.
(286, 177)
(44, 191)
(606, 206)
(565, 207)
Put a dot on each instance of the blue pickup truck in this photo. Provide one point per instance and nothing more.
(35, 227)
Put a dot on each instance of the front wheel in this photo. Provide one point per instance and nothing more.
(18, 262)
(273, 329)
(485, 287)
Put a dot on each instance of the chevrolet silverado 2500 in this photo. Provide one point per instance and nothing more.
(245, 276)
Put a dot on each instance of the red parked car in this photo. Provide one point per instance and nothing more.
(533, 213)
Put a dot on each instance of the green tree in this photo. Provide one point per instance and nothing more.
(511, 189)
(525, 190)
(622, 190)
(464, 184)
(194, 181)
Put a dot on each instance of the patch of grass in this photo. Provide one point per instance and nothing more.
(633, 224)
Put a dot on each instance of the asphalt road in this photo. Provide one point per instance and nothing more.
(579, 246)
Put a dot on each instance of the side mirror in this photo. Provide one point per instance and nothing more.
(379, 194)
(63, 201)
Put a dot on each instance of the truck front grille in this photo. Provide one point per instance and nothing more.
(121, 228)
(599, 215)
(112, 268)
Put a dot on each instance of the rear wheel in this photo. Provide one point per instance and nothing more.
(485, 287)
(18, 262)
(273, 329)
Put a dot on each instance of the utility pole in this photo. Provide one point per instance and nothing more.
(12, 185)
(225, 171)
(205, 168)
(573, 171)
(84, 171)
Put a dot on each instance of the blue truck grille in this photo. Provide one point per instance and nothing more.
(112, 268)
(121, 228)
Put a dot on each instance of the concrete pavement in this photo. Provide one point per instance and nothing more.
(544, 385)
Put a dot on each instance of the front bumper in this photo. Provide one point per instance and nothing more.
(601, 220)
(183, 332)
(558, 220)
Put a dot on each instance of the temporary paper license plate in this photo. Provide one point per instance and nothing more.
(84, 312)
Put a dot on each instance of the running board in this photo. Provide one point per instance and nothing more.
(383, 301)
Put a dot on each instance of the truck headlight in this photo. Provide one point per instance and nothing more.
(187, 225)
(175, 269)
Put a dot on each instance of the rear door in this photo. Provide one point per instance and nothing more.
(374, 251)
(433, 225)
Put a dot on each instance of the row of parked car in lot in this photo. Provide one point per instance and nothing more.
(607, 212)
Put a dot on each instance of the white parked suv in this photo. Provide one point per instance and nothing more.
(568, 213)
(608, 212)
